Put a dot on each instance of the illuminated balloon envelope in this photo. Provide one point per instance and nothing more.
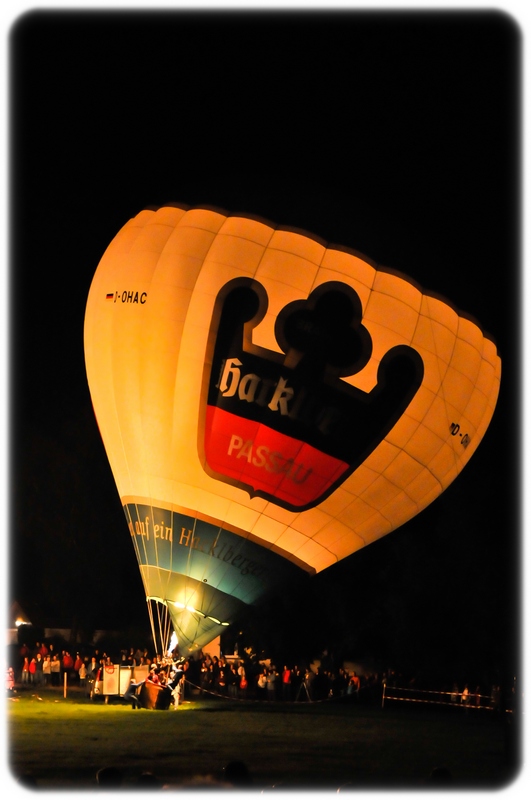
(269, 404)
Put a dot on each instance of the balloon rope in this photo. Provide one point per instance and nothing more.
(150, 613)
(161, 637)
(164, 627)
(159, 641)
(167, 629)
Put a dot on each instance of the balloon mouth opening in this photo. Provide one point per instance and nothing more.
(191, 609)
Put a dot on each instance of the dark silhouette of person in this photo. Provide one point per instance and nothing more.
(237, 774)
(441, 775)
(109, 778)
(147, 780)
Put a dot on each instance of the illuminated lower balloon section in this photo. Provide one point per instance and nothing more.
(269, 404)
(205, 575)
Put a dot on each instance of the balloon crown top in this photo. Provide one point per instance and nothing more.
(284, 426)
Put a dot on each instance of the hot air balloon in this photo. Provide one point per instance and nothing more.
(269, 404)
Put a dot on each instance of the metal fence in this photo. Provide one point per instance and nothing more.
(470, 701)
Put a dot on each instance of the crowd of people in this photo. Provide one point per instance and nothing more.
(43, 666)
(238, 679)
(217, 676)
(264, 681)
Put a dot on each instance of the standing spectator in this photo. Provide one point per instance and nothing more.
(92, 673)
(47, 670)
(286, 683)
(184, 664)
(25, 651)
(176, 685)
(296, 680)
(214, 671)
(342, 682)
(32, 670)
(206, 674)
(271, 681)
(234, 680)
(82, 674)
(261, 685)
(10, 680)
(242, 680)
(77, 664)
(55, 667)
(92, 667)
(308, 682)
(335, 684)
(320, 685)
(223, 677)
(67, 665)
(354, 685)
(24, 675)
(38, 670)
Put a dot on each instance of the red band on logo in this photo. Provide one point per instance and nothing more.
(269, 462)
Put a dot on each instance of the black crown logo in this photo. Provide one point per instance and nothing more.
(320, 427)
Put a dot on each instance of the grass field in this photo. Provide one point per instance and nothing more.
(61, 743)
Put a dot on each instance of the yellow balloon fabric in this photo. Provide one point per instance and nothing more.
(268, 403)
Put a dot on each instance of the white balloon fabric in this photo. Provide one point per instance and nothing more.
(269, 404)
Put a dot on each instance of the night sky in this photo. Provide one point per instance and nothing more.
(396, 134)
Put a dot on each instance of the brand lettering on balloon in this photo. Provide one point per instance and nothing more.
(286, 426)
(262, 456)
(157, 531)
(225, 551)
